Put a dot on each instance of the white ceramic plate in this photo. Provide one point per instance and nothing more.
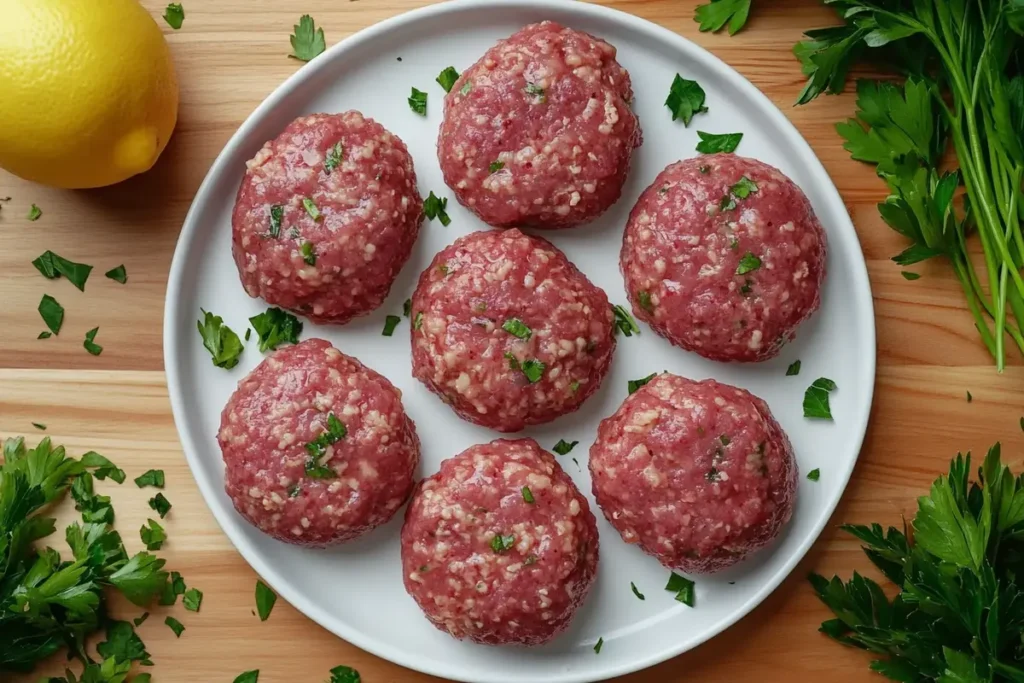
(356, 590)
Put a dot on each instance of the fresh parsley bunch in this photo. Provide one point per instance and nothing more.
(48, 603)
(959, 615)
(964, 61)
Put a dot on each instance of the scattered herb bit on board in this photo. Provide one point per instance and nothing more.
(90, 344)
(174, 15)
(307, 40)
(192, 599)
(265, 599)
(160, 504)
(153, 536)
(150, 478)
(710, 143)
(719, 14)
(248, 677)
(685, 99)
(816, 399)
(175, 626)
(174, 587)
(636, 591)
(793, 369)
(446, 79)
(969, 397)
(435, 207)
(390, 323)
(118, 274)
(624, 322)
(907, 275)
(563, 447)
(52, 266)
(276, 327)
(635, 384)
(418, 102)
(39, 425)
(220, 340)
(814, 474)
(345, 674)
(34, 213)
(52, 313)
(44, 335)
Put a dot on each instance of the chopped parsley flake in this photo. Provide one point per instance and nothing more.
(39, 425)
(624, 322)
(793, 369)
(434, 207)
(685, 99)
(34, 213)
(907, 275)
(502, 543)
(44, 335)
(598, 645)
(175, 626)
(418, 102)
(446, 79)
(496, 166)
(307, 40)
(246, 677)
(220, 340)
(52, 313)
(192, 599)
(711, 143)
(417, 322)
(814, 474)
(153, 536)
(748, 263)
(744, 188)
(52, 266)
(150, 478)
(636, 592)
(344, 674)
(174, 15)
(969, 397)
(407, 308)
(311, 208)
(390, 323)
(90, 345)
(174, 587)
(265, 599)
(334, 156)
(160, 504)
(635, 384)
(317, 448)
(308, 253)
(118, 274)
(644, 299)
(517, 328)
(276, 327)
(724, 439)
(574, 386)
(276, 216)
(527, 494)
(536, 92)
(816, 399)
(466, 87)
(563, 447)
(682, 587)
(533, 369)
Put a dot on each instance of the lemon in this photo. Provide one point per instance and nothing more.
(88, 94)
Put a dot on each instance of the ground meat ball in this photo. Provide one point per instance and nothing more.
(724, 256)
(539, 132)
(698, 474)
(366, 448)
(508, 332)
(326, 216)
(499, 546)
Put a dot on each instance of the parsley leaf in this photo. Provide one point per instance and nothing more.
(170, 591)
(814, 474)
(907, 275)
(175, 626)
(344, 674)
(748, 263)
(192, 599)
(407, 307)
(502, 543)
(466, 88)
(496, 166)
(744, 188)
(34, 213)
(624, 322)
(123, 644)
(174, 15)
(265, 599)
(682, 587)
(44, 335)
(418, 102)
(90, 345)
(417, 321)
(635, 384)
(598, 645)
(334, 157)
(153, 536)
(390, 323)
(517, 328)
(102, 467)
(644, 300)
(536, 92)
(446, 79)
(636, 592)
(118, 274)
(685, 99)
(317, 448)
(527, 494)
(816, 399)
(311, 208)
(793, 369)
(51, 266)
(141, 579)
(247, 677)
(533, 369)
(711, 143)
(276, 327)
(39, 425)
(160, 504)
(716, 14)
(307, 40)
(563, 447)
(220, 340)
(52, 313)
(276, 216)
(434, 207)
(150, 478)
(308, 253)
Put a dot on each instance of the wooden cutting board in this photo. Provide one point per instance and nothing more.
(230, 54)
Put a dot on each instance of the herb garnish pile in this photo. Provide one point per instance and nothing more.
(959, 614)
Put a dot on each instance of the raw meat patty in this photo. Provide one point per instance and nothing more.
(317, 447)
(539, 132)
(326, 216)
(724, 256)
(508, 332)
(698, 474)
(484, 562)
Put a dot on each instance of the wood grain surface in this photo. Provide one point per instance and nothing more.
(230, 54)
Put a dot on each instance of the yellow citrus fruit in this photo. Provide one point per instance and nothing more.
(88, 95)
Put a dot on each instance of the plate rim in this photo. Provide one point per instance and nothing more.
(173, 303)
